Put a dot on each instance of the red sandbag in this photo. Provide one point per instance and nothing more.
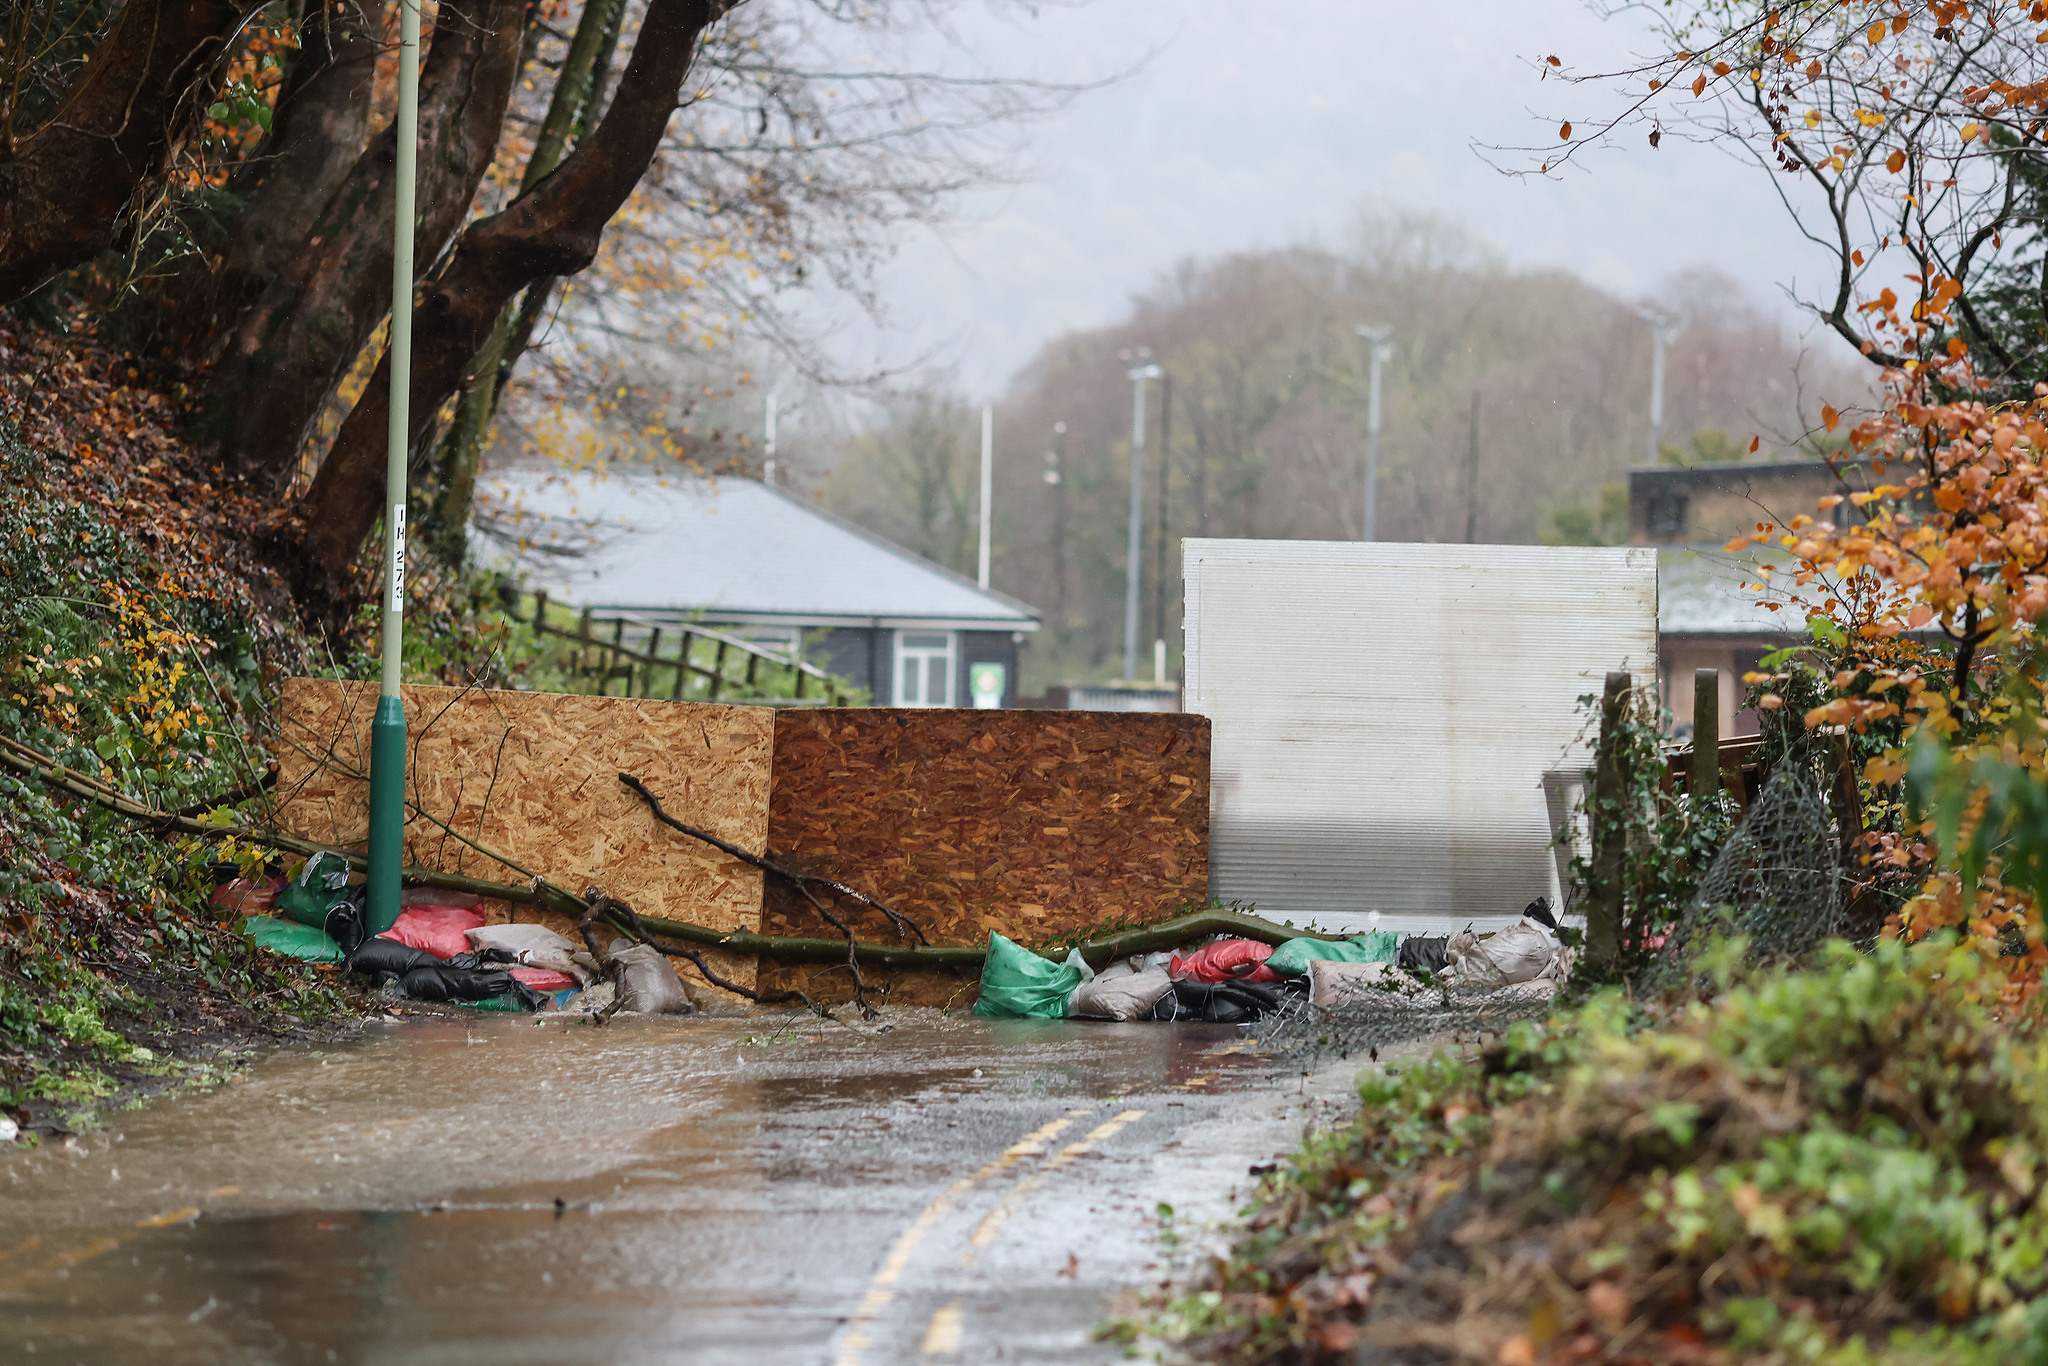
(246, 897)
(435, 929)
(543, 979)
(1226, 960)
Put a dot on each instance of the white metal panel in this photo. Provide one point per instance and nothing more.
(1383, 715)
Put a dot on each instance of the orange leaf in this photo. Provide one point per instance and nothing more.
(1894, 162)
(1699, 85)
(1553, 61)
(1565, 130)
(1829, 417)
(1876, 34)
(1919, 617)
(1754, 442)
(1720, 68)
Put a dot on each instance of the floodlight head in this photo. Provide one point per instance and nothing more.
(1139, 372)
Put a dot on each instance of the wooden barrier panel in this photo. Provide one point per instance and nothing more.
(1038, 824)
(534, 776)
(1033, 823)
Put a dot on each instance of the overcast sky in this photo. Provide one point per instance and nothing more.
(1268, 124)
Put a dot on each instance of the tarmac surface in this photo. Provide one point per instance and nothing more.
(931, 1189)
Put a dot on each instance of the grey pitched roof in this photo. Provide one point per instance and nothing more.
(1701, 593)
(732, 549)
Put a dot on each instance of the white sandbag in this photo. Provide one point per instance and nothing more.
(1333, 983)
(647, 982)
(1123, 996)
(1519, 953)
(534, 946)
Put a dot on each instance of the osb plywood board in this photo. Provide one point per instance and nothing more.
(1034, 823)
(534, 777)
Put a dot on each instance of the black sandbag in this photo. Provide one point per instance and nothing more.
(448, 982)
(1425, 953)
(379, 957)
(1223, 1002)
(347, 920)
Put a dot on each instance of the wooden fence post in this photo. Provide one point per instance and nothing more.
(1706, 733)
(1610, 826)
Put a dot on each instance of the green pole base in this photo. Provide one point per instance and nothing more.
(387, 812)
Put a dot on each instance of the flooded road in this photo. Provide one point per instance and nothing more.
(751, 1190)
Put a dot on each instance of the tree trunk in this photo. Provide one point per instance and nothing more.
(553, 229)
(322, 124)
(577, 88)
(314, 319)
(66, 188)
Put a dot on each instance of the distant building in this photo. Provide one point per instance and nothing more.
(1706, 617)
(739, 555)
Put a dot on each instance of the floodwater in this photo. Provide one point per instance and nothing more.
(765, 1189)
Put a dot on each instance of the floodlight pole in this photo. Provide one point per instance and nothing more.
(988, 484)
(1137, 374)
(1379, 337)
(1663, 332)
(387, 731)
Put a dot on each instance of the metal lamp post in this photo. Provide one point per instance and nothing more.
(1137, 374)
(387, 730)
(1663, 331)
(1379, 340)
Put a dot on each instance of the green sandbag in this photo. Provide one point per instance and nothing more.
(309, 942)
(1292, 958)
(1016, 984)
(320, 886)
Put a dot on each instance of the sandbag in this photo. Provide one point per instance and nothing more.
(243, 896)
(1292, 958)
(1222, 1002)
(1121, 996)
(293, 940)
(378, 957)
(1519, 953)
(1226, 960)
(440, 930)
(531, 946)
(321, 884)
(1017, 984)
(647, 981)
(447, 982)
(1425, 953)
(546, 980)
(1333, 983)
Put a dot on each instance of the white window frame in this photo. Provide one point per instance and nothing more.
(924, 651)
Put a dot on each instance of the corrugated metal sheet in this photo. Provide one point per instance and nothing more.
(1384, 715)
(734, 549)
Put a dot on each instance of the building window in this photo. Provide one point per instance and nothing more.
(1667, 513)
(924, 668)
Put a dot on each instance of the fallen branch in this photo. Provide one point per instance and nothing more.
(904, 925)
(618, 912)
(801, 881)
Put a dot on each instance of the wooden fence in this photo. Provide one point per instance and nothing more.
(627, 650)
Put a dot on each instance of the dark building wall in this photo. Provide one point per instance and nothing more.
(867, 657)
(986, 647)
(859, 654)
(1708, 504)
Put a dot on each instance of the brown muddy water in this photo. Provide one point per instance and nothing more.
(766, 1189)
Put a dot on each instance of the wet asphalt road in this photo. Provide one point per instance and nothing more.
(732, 1190)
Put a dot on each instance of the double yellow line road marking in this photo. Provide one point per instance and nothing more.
(943, 1334)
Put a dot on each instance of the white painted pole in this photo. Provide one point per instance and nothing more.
(387, 729)
(1379, 337)
(768, 465)
(1133, 569)
(988, 484)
